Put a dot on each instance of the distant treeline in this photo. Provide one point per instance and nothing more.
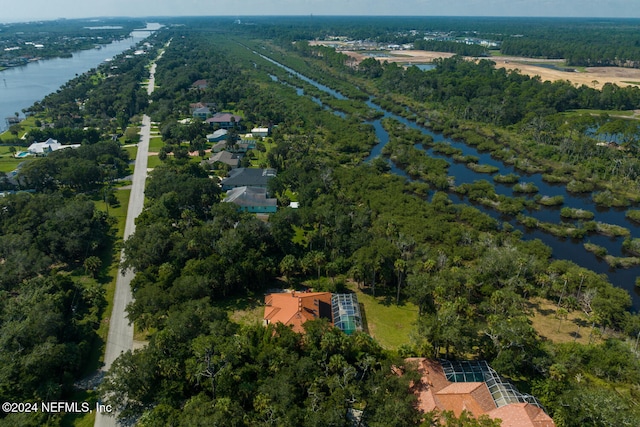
(582, 42)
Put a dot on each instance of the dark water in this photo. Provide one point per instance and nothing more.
(21, 86)
(563, 248)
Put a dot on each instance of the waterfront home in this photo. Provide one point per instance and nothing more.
(48, 146)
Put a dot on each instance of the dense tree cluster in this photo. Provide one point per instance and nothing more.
(47, 317)
(220, 373)
(105, 98)
(81, 169)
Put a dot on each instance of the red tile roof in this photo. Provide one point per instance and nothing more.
(294, 308)
(521, 415)
(435, 392)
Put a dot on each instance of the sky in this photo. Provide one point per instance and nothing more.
(31, 10)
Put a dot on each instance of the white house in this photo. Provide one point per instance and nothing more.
(257, 132)
(46, 147)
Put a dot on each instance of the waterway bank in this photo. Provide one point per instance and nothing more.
(21, 87)
(562, 247)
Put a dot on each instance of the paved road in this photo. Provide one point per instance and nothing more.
(120, 338)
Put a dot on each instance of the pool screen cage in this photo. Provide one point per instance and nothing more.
(346, 313)
(502, 391)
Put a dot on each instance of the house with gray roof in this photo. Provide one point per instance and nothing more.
(251, 199)
(231, 159)
(247, 177)
(217, 136)
(224, 120)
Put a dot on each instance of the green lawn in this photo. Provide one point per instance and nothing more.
(388, 323)
(132, 150)
(155, 144)
(153, 161)
(244, 309)
(8, 163)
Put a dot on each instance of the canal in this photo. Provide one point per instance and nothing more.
(563, 248)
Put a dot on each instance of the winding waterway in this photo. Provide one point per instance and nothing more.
(21, 86)
(563, 248)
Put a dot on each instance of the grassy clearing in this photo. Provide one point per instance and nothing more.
(155, 144)
(388, 323)
(153, 162)
(8, 163)
(132, 150)
(554, 327)
(244, 309)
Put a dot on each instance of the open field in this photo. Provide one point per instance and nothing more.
(391, 325)
(559, 329)
(590, 76)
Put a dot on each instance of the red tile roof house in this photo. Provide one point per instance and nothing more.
(436, 392)
(295, 308)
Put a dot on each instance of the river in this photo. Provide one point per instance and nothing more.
(563, 248)
(21, 86)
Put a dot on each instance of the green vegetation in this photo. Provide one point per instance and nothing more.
(573, 213)
(633, 215)
(512, 178)
(482, 168)
(550, 201)
(599, 251)
(435, 278)
(390, 324)
(525, 187)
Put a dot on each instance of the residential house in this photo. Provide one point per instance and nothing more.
(473, 386)
(48, 146)
(219, 146)
(199, 84)
(295, 308)
(231, 159)
(260, 132)
(224, 120)
(247, 177)
(252, 199)
(217, 136)
(201, 113)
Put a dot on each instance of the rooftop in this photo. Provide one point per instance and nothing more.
(475, 387)
(295, 308)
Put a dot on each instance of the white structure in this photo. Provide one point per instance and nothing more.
(257, 132)
(46, 147)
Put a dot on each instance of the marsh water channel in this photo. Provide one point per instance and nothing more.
(563, 248)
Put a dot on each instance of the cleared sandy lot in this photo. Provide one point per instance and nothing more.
(591, 76)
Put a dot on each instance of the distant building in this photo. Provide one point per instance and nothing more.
(224, 120)
(231, 159)
(260, 132)
(252, 199)
(199, 84)
(247, 177)
(201, 113)
(217, 136)
(48, 146)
